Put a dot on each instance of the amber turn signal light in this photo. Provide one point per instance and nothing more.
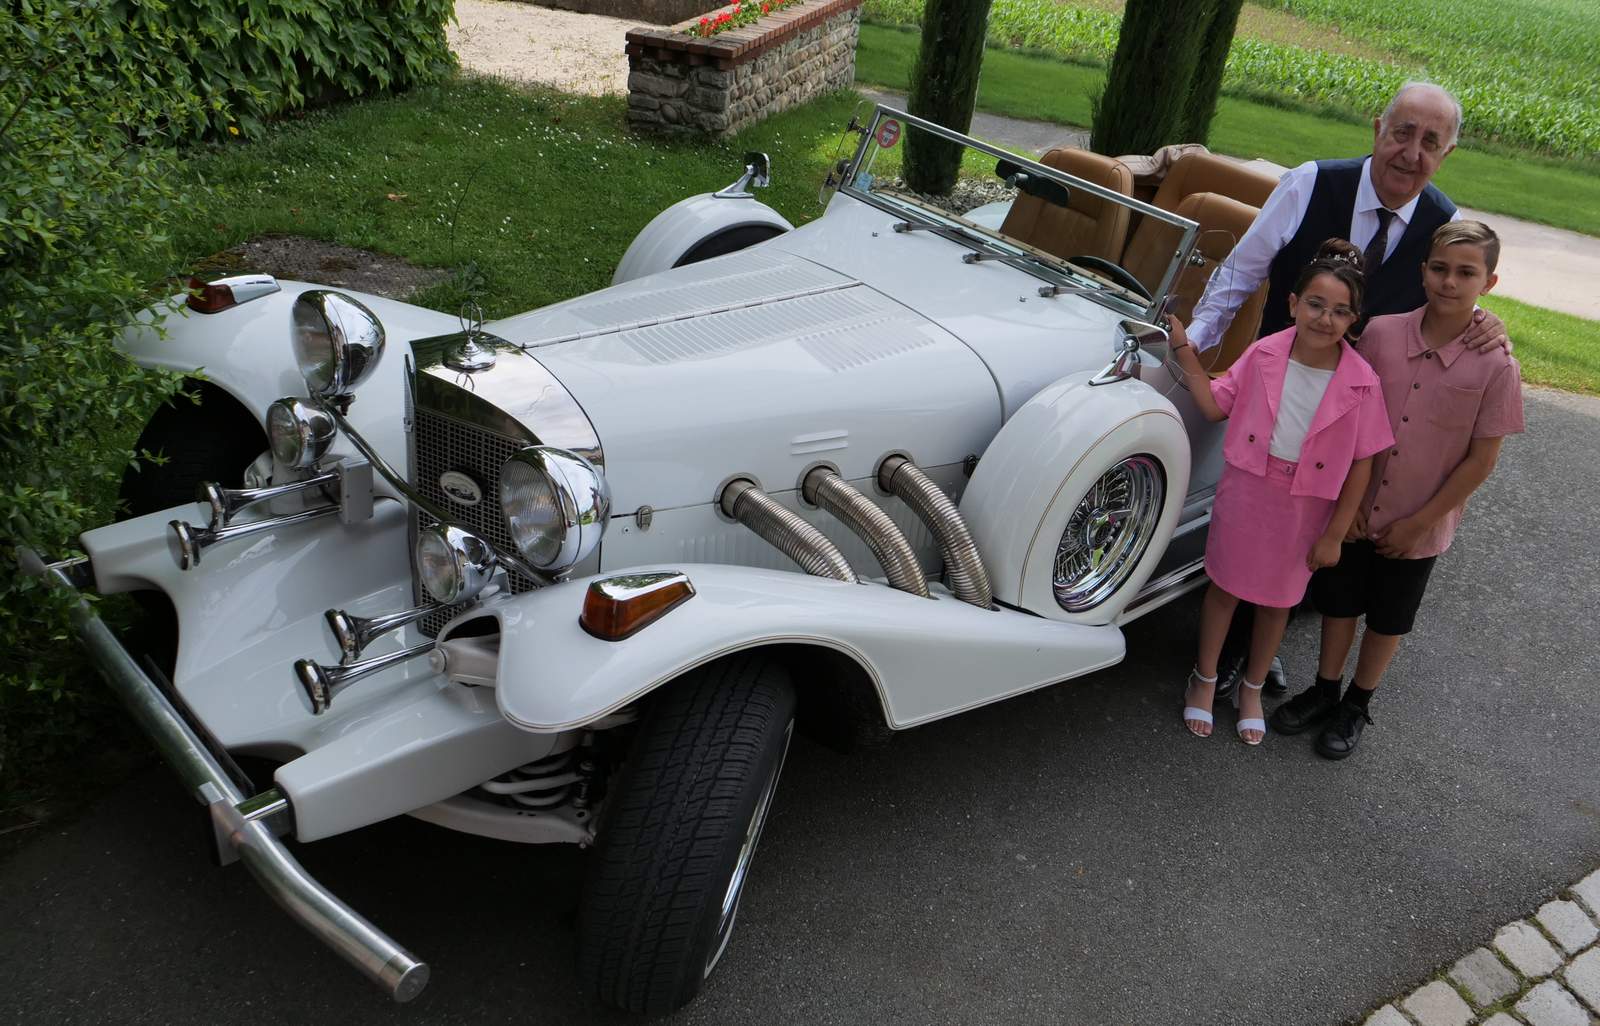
(618, 607)
(207, 297)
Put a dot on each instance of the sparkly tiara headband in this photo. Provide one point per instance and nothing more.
(1340, 257)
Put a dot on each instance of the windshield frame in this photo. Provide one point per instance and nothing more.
(1055, 271)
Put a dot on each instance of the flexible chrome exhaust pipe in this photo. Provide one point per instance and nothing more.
(872, 525)
(969, 581)
(785, 531)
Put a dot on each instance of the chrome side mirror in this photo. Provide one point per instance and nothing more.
(337, 341)
(757, 174)
(1132, 336)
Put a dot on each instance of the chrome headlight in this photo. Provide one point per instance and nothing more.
(337, 341)
(298, 433)
(453, 565)
(555, 504)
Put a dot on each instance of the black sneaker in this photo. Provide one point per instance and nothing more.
(1339, 738)
(1276, 684)
(1228, 678)
(1305, 710)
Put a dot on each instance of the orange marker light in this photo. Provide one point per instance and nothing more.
(619, 607)
(209, 298)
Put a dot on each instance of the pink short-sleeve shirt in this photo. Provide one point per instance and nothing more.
(1438, 400)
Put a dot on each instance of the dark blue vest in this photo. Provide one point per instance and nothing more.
(1395, 286)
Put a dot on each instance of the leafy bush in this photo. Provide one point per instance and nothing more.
(249, 61)
(94, 97)
(85, 185)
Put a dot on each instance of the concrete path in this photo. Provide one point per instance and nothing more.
(1544, 266)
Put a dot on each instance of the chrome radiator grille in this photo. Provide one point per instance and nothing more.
(442, 444)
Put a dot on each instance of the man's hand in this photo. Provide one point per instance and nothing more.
(1486, 332)
(1399, 539)
(1324, 553)
(1358, 527)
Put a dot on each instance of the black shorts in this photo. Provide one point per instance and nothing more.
(1387, 591)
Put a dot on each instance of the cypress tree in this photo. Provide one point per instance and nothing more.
(944, 88)
(1158, 49)
(1213, 59)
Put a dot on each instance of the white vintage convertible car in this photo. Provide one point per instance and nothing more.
(577, 575)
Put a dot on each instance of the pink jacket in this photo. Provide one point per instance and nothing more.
(1350, 423)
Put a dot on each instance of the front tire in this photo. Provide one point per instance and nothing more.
(679, 833)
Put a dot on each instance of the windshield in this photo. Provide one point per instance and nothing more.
(1069, 220)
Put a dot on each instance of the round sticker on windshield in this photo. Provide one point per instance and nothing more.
(888, 133)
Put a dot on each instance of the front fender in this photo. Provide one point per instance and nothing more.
(246, 352)
(1045, 459)
(928, 658)
(671, 234)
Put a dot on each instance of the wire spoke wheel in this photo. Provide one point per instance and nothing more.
(1108, 532)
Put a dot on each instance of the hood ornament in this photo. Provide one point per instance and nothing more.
(475, 351)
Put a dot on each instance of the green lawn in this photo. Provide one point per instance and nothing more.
(1041, 89)
(535, 195)
(1554, 349)
(537, 192)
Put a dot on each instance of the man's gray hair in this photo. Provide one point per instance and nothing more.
(1432, 87)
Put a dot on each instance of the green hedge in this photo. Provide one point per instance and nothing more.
(249, 61)
(96, 96)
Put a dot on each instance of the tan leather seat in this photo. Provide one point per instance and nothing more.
(1207, 172)
(1222, 220)
(1223, 197)
(1087, 225)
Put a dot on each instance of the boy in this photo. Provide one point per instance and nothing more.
(1450, 407)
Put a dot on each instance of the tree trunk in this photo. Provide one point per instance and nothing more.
(1213, 59)
(1158, 49)
(944, 88)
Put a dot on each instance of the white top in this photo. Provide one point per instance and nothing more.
(1246, 267)
(1302, 394)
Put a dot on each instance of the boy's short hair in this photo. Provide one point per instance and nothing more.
(1474, 233)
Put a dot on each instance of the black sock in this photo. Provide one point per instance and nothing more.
(1358, 697)
(1329, 688)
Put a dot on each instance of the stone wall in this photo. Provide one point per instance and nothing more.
(684, 85)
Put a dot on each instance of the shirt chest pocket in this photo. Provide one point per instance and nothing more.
(1455, 407)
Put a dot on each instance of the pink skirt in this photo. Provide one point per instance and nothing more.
(1260, 535)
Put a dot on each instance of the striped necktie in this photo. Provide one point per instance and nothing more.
(1375, 249)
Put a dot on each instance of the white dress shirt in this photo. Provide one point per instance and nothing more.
(1246, 267)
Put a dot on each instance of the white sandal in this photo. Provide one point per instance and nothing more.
(1195, 713)
(1254, 723)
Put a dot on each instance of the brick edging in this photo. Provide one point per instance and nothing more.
(735, 46)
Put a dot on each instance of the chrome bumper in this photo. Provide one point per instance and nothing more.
(242, 827)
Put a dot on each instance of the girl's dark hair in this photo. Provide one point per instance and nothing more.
(1340, 259)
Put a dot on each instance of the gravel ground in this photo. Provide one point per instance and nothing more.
(576, 53)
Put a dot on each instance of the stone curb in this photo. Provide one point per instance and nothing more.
(1540, 971)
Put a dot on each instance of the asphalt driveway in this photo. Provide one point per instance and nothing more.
(1072, 856)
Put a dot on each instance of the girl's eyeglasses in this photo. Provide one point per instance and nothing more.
(1318, 308)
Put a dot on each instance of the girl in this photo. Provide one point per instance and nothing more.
(1307, 416)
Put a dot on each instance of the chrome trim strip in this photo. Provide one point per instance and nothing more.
(245, 833)
(1169, 586)
(516, 398)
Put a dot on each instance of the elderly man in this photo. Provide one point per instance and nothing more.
(1386, 204)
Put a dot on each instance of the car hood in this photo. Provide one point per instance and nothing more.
(759, 364)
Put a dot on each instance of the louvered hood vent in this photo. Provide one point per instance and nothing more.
(757, 363)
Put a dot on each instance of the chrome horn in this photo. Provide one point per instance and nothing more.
(188, 541)
(225, 502)
(323, 683)
(353, 477)
(355, 633)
